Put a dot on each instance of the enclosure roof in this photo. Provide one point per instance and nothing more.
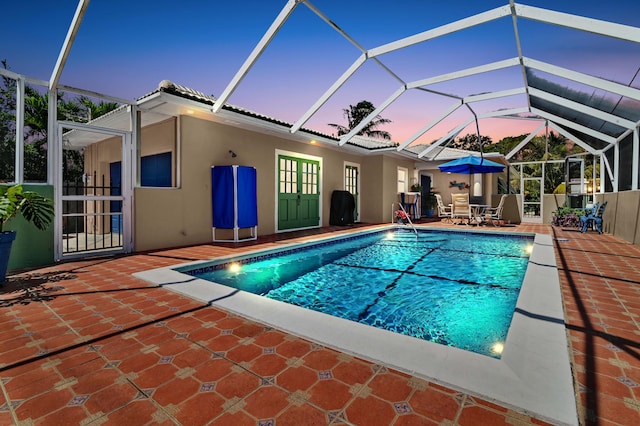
(436, 70)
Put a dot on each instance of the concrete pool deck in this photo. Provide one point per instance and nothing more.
(532, 376)
(85, 342)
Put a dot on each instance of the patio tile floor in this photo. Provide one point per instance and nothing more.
(84, 342)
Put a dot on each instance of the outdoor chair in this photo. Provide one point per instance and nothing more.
(444, 212)
(493, 215)
(461, 209)
(593, 217)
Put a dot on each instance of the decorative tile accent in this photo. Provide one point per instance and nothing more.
(226, 332)
(117, 327)
(613, 348)
(96, 314)
(94, 348)
(182, 335)
(112, 364)
(207, 387)
(325, 375)
(145, 393)
(14, 405)
(402, 407)
(379, 368)
(267, 422)
(165, 360)
(78, 400)
(269, 351)
(299, 397)
(160, 324)
(632, 403)
(173, 308)
(267, 381)
(28, 333)
(234, 405)
(627, 381)
(218, 355)
(336, 416)
(43, 352)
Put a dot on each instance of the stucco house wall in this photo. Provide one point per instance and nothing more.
(169, 217)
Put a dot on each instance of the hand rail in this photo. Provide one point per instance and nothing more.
(393, 214)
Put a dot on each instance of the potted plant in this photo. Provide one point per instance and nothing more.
(430, 204)
(33, 207)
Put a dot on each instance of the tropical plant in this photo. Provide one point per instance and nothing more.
(355, 114)
(35, 208)
(469, 142)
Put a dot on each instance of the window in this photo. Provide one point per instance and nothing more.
(402, 179)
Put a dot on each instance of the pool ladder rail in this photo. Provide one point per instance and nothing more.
(393, 214)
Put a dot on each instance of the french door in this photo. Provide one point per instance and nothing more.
(298, 193)
(352, 184)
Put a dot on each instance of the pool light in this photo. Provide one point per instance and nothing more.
(389, 236)
(497, 348)
(234, 267)
(529, 248)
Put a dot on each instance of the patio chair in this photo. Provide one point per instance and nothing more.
(461, 209)
(593, 218)
(493, 215)
(444, 212)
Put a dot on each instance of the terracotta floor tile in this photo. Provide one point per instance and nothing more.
(434, 404)
(155, 376)
(43, 404)
(192, 357)
(390, 387)
(353, 372)
(473, 415)
(329, 394)
(301, 415)
(269, 364)
(293, 348)
(111, 398)
(413, 419)
(213, 370)
(266, 402)
(370, 411)
(270, 339)
(267, 374)
(298, 378)
(138, 412)
(176, 391)
(244, 353)
(74, 415)
(237, 384)
(95, 381)
(201, 409)
(322, 359)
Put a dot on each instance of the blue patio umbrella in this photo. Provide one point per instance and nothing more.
(470, 165)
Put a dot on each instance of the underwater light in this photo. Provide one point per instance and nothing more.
(389, 236)
(497, 348)
(234, 267)
(529, 248)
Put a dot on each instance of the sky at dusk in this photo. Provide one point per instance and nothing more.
(125, 48)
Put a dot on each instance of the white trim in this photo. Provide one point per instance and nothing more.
(359, 192)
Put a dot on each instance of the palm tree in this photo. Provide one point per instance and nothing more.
(355, 114)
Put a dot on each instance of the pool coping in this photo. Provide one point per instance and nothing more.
(533, 375)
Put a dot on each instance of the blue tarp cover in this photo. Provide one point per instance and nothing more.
(222, 190)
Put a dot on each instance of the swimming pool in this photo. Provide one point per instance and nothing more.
(533, 373)
(453, 288)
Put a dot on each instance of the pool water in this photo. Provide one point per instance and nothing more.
(452, 288)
